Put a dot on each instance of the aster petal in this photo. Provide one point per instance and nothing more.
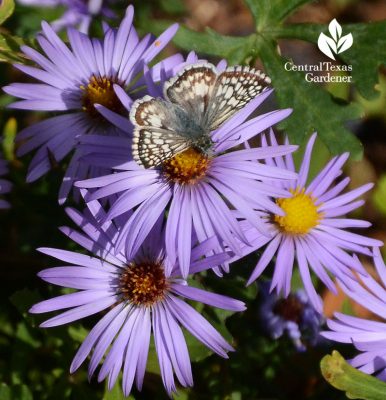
(93, 336)
(316, 266)
(339, 211)
(257, 153)
(69, 300)
(114, 358)
(184, 234)
(132, 197)
(345, 198)
(142, 220)
(284, 265)
(175, 344)
(328, 174)
(212, 299)
(132, 353)
(162, 354)
(250, 129)
(305, 166)
(80, 312)
(345, 223)
(265, 258)
(228, 126)
(116, 119)
(72, 257)
(333, 192)
(108, 335)
(197, 325)
(306, 278)
(209, 262)
(351, 237)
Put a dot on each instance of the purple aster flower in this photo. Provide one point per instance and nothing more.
(79, 13)
(139, 295)
(293, 316)
(5, 186)
(199, 192)
(312, 228)
(368, 336)
(73, 80)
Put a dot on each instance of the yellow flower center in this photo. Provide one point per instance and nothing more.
(186, 167)
(301, 213)
(100, 90)
(143, 283)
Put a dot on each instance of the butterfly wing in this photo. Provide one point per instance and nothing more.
(192, 90)
(156, 137)
(234, 88)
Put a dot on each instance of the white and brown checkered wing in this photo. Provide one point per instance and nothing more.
(155, 137)
(234, 88)
(192, 89)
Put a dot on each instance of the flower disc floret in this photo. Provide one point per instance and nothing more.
(186, 167)
(100, 90)
(301, 213)
(290, 308)
(143, 283)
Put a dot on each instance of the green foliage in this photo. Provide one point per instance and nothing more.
(379, 195)
(356, 384)
(10, 49)
(6, 10)
(9, 134)
(15, 392)
(314, 108)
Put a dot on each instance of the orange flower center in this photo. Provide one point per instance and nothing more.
(186, 167)
(100, 90)
(143, 283)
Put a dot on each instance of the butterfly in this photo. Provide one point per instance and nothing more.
(196, 101)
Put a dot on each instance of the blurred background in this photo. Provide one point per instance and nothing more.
(34, 363)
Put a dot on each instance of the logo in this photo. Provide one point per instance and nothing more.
(328, 71)
(335, 44)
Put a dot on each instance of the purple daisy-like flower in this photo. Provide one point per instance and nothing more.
(79, 13)
(369, 337)
(5, 186)
(199, 192)
(312, 229)
(139, 295)
(73, 80)
(293, 316)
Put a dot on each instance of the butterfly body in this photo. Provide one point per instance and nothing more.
(197, 101)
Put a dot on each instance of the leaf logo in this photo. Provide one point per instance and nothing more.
(335, 44)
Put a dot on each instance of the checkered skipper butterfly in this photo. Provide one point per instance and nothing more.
(197, 101)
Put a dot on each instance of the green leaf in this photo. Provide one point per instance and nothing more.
(77, 333)
(268, 12)
(173, 6)
(24, 299)
(116, 392)
(10, 49)
(379, 195)
(16, 392)
(24, 335)
(6, 10)
(234, 48)
(314, 108)
(9, 133)
(356, 384)
(5, 392)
